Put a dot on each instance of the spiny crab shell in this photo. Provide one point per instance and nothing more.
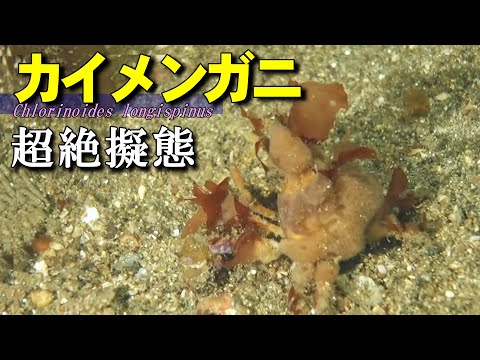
(327, 210)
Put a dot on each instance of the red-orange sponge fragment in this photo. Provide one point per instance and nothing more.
(312, 118)
(211, 203)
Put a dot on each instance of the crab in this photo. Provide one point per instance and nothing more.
(327, 210)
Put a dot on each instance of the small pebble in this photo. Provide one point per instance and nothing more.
(91, 215)
(474, 237)
(382, 269)
(468, 160)
(442, 97)
(426, 277)
(377, 310)
(442, 198)
(41, 298)
(41, 267)
(142, 273)
(57, 246)
(77, 232)
(175, 232)
(153, 236)
(129, 261)
(449, 294)
(142, 190)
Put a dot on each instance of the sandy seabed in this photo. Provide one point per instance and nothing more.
(127, 259)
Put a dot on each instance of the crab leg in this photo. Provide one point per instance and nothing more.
(326, 273)
(246, 196)
(267, 226)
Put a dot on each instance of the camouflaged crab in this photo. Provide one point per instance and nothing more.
(327, 210)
